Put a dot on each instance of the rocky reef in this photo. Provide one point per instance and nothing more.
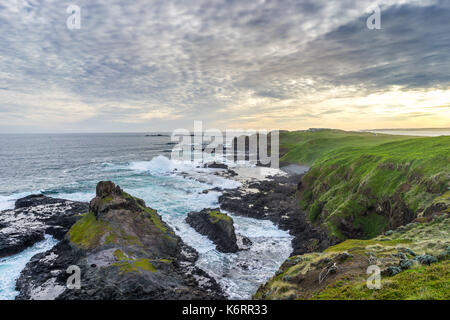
(413, 261)
(217, 226)
(33, 217)
(124, 251)
(275, 199)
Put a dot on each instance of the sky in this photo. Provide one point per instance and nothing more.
(136, 66)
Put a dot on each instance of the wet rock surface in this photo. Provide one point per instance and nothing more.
(124, 251)
(33, 217)
(215, 165)
(275, 199)
(218, 227)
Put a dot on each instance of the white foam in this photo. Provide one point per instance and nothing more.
(175, 188)
(10, 267)
(161, 165)
(158, 165)
(7, 202)
(256, 173)
(239, 273)
(75, 196)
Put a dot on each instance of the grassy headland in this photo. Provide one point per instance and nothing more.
(413, 260)
(361, 184)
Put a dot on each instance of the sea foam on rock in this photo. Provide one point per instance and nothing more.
(33, 217)
(125, 251)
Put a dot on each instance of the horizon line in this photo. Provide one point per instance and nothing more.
(159, 132)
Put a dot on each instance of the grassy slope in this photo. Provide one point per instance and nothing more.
(354, 174)
(420, 283)
(298, 277)
(304, 147)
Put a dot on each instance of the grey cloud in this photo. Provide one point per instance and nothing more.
(180, 55)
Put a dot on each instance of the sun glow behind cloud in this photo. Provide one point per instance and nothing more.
(347, 109)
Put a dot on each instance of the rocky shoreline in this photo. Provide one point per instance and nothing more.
(33, 217)
(274, 199)
(124, 251)
(44, 277)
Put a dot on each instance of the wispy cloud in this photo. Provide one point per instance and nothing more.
(158, 65)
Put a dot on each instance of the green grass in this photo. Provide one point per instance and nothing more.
(420, 283)
(306, 147)
(293, 280)
(354, 173)
(356, 246)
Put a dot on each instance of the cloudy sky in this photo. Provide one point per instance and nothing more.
(159, 65)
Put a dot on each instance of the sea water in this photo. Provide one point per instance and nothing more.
(11, 266)
(70, 165)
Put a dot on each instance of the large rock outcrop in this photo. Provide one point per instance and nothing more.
(217, 226)
(33, 217)
(124, 251)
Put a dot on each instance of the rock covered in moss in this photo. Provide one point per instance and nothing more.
(125, 251)
(217, 226)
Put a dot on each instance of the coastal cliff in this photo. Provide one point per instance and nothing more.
(366, 199)
(124, 251)
(361, 185)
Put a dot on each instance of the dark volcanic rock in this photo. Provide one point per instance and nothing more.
(246, 241)
(216, 165)
(35, 216)
(218, 227)
(124, 251)
(276, 201)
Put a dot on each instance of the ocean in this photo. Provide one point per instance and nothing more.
(70, 165)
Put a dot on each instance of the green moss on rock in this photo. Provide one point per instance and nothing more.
(216, 216)
(168, 261)
(137, 265)
(111, 237)
(88, 231)
(120, 255)
(106, 200)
